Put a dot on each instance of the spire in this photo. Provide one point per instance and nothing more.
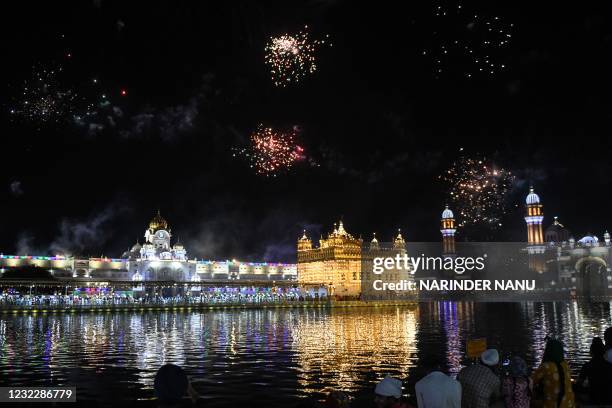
(374, 242)
(341, 229)
(399, 242)
(399, 235)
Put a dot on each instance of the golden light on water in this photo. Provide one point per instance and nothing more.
(346, 345)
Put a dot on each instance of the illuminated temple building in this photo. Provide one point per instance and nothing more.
(155, 260)
(341, 265)
(340, 261)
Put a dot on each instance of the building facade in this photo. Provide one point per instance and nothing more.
(336, 262)
(561, 263)
(344, 264)
(157, 259)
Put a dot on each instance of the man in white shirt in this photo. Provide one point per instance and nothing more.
(436, 389)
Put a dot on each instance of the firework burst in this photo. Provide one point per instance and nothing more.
(291, 57)
(477, 190)
(43, 99)
(272, 151)
(466, 42)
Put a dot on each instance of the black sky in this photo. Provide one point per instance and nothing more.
(374, 116)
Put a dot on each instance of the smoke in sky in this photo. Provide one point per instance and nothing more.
(77, 236)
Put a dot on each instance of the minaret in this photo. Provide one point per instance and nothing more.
(534, 218)
(447, 229)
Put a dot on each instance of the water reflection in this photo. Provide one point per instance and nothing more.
(349, 347)
(296, 352)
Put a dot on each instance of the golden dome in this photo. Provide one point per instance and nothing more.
(158, 222)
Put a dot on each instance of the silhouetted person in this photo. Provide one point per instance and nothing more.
(172, 386)
(594, 372)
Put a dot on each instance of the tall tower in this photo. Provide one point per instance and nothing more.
(447, 229)
(534, 218)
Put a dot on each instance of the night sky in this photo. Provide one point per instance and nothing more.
(377, 121)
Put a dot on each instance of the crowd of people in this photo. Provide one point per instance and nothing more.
(108, 299)
(481, 385)
(486, 384)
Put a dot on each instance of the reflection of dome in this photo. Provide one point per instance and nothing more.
(158, 222)
(447, 214)
(556, 232)
(532, 198)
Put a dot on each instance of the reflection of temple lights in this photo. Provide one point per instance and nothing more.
(337, 345)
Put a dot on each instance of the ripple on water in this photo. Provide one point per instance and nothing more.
(240, 356)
